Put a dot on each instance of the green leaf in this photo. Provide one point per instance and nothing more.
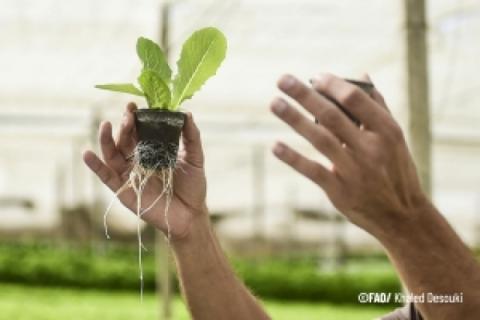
(153, 58)
(156, 90)
(121, 87)
(201, 56)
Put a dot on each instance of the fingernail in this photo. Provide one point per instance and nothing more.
(278, 149)
(279, 106)
(287, 82)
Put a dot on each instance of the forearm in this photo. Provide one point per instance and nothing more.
(208, 282)
(431, 258)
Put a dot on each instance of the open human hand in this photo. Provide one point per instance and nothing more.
(373, 180)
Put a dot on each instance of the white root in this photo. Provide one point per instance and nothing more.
(137, 181)
(110, 205)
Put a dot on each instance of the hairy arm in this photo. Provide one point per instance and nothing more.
(208, 282)
(432, 259)
(374, 183)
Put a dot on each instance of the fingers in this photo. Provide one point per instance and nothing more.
(108, 176)
(126, 139)
(111, 155)
(321, 138)
(375, 94)
(310, 169)
(131, 107)
(352, 98)
(192, 143)
(323, 110)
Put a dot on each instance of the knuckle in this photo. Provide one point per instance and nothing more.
(318, 176)
(95, 165)
(294, 160)
(325, 83)
(293, 118)
(330, 117)
(323, 142)
(349, 96)
(106, 176)
(299, 92)
(374, 150)
(373, 147)
(377, 156)
(103, 138)
(108, 157)
(394, 133)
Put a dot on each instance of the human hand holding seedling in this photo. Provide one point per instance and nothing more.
(153, 144)
(189, 189)
(158, 181)
(142, 167)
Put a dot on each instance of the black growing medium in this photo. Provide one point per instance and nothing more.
(158, 134)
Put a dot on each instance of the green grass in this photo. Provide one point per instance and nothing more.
(115, 268)
(26, 303)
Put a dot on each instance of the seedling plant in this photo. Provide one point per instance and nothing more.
(159, 126)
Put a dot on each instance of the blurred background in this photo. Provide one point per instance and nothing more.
(283, 236)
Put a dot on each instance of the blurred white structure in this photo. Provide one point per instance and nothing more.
(53, 52)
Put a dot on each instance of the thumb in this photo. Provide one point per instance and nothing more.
(192, 142)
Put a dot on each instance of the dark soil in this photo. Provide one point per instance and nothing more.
(158, 137)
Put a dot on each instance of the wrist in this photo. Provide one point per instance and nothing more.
(408, 223)
(195, 233)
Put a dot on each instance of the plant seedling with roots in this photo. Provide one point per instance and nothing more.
(159, 126)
